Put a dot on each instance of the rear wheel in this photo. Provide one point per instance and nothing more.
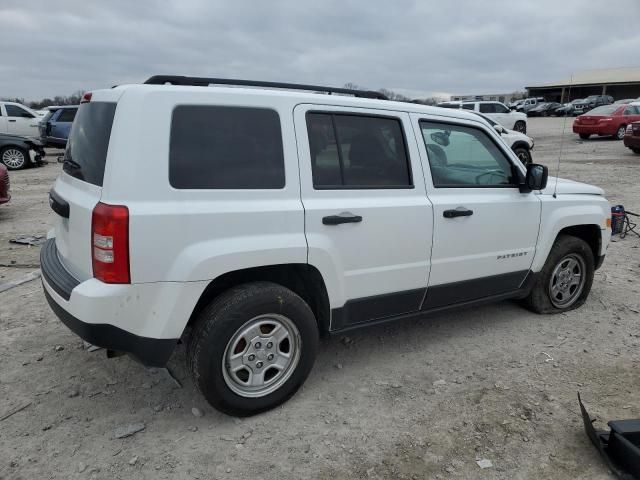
(252, 348)
(520, 126)
(14, 158)
(636, 150)
(620, 132)
(523, 154)
(566, 278)
(584, 136)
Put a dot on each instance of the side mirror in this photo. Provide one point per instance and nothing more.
(536, 178)
(499, 129)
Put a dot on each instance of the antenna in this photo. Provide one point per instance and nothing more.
(564, 127)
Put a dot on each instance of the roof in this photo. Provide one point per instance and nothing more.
(597, 77)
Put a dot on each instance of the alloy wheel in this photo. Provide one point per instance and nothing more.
(567, 281)
(13, 158)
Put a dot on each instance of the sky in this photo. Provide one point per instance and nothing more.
(418, 48)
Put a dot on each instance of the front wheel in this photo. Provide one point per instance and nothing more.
(566, 278)
(620, 132)
(252, 348)
(14, 158)
(520, 126)
(524, 155)
(584, 136)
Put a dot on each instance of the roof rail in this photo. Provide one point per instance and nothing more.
(205, 82)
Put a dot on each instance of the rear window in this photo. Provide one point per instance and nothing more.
(604, 110)
(216, 147)
(67, 115)
(86, 153)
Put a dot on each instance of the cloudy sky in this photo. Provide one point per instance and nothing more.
(418, 48)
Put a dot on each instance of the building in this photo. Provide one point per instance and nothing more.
(496, 97)
(618, 82)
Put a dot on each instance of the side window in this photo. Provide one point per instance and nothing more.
(468, 106)
(500, 108)
(631, 110)
(215, 147)
(487, 108)
(67, 115)
(357, 151)
(461, 156)
(16, 111)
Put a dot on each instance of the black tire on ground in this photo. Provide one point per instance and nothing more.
(636, 150)
(584, 136)
(15, 158)
(620, 132)
(520, 126)
(221, 321)
(524, 155)
(565, 247)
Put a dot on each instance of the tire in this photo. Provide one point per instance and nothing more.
(619, 135)
(585, 136)
(636, 150)
(239, 321)
(566, 249)
(524, 155)
(15, 158)
(520, 126)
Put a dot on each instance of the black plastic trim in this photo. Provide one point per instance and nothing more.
(58, 204)
(371, 310)
(54, 272)
(364, 310)
(206, 81)
(151, 352)
(599, 261)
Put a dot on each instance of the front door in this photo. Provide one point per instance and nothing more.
(368, 221)
(485, 230)
(20, 121)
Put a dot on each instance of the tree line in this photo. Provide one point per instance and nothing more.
(73, 99)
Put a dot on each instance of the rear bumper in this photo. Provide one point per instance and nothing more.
(93, 310)
(632, 141)
(598, 129)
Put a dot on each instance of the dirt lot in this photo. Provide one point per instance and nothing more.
(419, 399)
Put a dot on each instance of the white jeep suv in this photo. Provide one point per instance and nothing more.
(264, 217)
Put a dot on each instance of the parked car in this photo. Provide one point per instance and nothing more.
(528, 104)
(544, 109)
(20, 152)
(607, 120)
(567, 109)
(632, 137)
(520, 143)
(16, 119)
(591, 102)
(516, 104)
(500, 113)
(55, 126)
(624, 101)
(5, 194)
(268, 217)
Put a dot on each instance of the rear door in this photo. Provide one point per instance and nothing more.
(80, 185)
(21, 122)
(61, 125)
(368, 221)
(485, 230)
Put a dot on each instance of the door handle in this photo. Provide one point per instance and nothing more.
(12, 120)
(458, 212)
(342, 218)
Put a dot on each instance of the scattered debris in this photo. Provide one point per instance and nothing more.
(484, 463)
(58, 348)
(133, 460)
(439, 383)
(196, 412)
(346, 341)
(14, 264)
(27, 278)
(14, 411)
(31, 240)
(74, 392)
(125, 431)
(338, 366)
(89, 347)
(82, 467)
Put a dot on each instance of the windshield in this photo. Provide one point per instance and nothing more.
(604, 110)
(86, 153)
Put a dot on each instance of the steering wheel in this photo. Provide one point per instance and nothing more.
(436, 154)
(496, 171)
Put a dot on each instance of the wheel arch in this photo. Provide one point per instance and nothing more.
(590, 233)
(520, 144)
(303, 279)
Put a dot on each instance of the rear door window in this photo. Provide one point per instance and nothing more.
(86, 153)
(67, 115)
(357, 151)
(487, 108)
(217, 147)
(16, 111)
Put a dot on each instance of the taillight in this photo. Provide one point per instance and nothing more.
(86, 98)
(110, 243)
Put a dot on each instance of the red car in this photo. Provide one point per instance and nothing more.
(4, 184)
(632, 137)
(611, 120)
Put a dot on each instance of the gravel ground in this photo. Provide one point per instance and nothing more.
(426, 398)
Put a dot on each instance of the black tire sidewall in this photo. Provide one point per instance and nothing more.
(520, 126)
(25, 154)
(539, 300)
(522, 149)
(218, 324)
